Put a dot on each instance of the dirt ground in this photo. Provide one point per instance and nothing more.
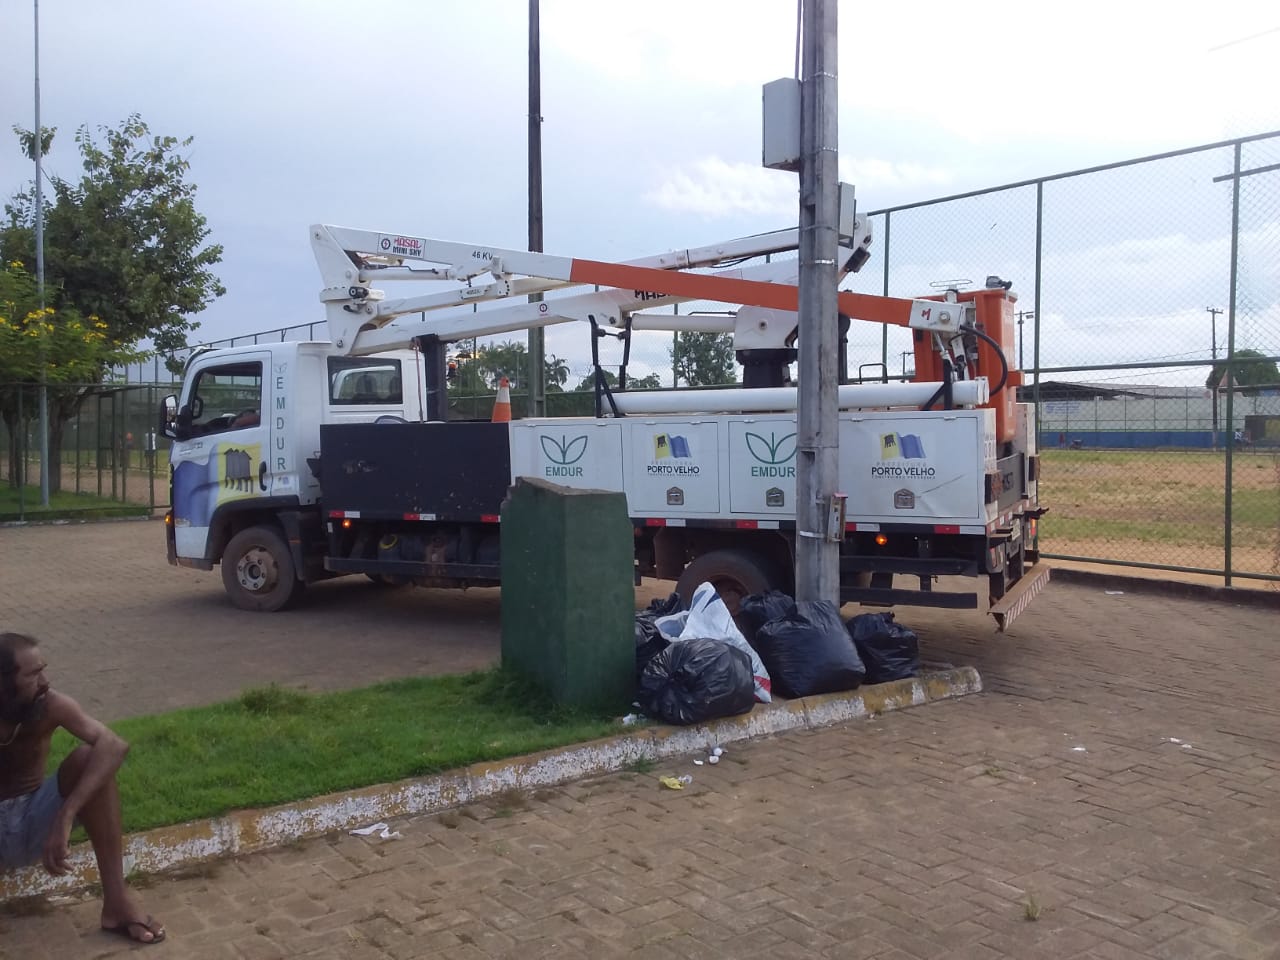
(1162, 506)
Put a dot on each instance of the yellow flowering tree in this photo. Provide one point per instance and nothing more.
(69, 349)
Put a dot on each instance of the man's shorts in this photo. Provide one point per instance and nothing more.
(25, 823)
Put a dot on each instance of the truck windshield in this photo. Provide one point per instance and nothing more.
(226, 397)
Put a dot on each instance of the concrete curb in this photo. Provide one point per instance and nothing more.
(69, 521)
(1250, 596)
(248, 831)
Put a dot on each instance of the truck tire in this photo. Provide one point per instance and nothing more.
(258, 572)
(736, 574)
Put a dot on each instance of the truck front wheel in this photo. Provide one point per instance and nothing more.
(736, 575)
(258, 572)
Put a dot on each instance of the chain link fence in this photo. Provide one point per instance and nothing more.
(1148, 325)
(111, 460)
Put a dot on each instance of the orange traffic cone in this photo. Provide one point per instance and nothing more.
(502, 405)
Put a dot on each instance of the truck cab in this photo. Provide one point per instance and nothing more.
(246, 442)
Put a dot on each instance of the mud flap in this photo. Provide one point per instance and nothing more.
(1007, 608)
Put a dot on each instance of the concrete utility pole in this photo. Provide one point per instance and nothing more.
(817, 446)
(537, 336)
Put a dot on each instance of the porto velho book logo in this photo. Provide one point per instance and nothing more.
(564, 455)
(901, 446)
(774, 454)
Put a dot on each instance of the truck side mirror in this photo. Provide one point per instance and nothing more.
(171, 419)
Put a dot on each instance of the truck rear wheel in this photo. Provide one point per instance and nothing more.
(258, 571)
(736, 575)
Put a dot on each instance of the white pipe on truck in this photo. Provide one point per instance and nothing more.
(965, 393)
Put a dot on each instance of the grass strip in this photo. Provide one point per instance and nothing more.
(275, 745)
(64, 506)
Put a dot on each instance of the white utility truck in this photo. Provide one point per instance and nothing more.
(294, 462)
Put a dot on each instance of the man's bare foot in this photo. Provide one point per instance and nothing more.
(129, 920)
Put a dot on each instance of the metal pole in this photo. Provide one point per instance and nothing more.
(817, 447)
(1213, 332)
(1023, 315)
(884, 330)
(1231, 351)
(537, 336)
(37, 147)
(1036, 310)
(20, 453)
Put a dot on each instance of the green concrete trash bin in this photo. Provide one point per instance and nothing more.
(568, 595)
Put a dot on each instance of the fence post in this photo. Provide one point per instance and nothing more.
(20, 454)
(1039, 249)
(97, 439)
(151, 443)
(884, 329)
(79, 407)
(1231, 352)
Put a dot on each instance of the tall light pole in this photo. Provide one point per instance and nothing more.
(1213, 333)
(1030, 315)
(38, 150)
(537, 335)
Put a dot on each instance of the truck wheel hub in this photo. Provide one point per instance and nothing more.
(256, 570)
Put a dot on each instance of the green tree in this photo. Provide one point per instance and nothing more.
(704, 359)
(1259, 374)
(509, 359)
(557, 373)
(124, 243)
(648, 382)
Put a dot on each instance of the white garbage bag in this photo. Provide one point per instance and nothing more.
(708, 617)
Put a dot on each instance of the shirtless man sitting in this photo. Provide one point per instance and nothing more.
(37, 813)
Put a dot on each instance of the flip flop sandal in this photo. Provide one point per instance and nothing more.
(126, 930)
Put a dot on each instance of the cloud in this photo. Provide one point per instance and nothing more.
(712, 187)
(874, 173)
(715, 188)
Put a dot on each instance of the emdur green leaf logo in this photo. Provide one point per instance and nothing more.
(564, 451)
(774, 450)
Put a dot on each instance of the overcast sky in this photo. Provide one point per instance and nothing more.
(411, 116)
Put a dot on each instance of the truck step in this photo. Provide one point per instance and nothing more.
(1015, 601)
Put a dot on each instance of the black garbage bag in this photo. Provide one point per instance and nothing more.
(693, 681)
(889, 650)
(649, 641)
(759, 608)
(808, 651)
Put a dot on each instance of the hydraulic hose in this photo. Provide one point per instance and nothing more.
(1004, 364)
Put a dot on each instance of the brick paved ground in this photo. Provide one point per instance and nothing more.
(924, 833)
(126, 634)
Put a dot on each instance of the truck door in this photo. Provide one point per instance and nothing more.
(225, 457)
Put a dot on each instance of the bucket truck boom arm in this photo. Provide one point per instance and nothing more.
(360, 316)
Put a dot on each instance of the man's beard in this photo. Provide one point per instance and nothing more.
(29, 711)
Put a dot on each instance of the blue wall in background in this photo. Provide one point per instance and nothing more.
(1130, 439)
